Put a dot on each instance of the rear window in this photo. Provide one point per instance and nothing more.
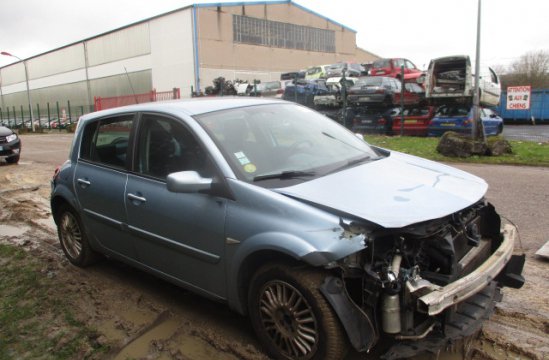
(453, 111)
(383, 63)
(370, 81)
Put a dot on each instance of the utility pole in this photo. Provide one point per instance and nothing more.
(478, 128)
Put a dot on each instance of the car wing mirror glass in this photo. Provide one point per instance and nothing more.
(187, 182)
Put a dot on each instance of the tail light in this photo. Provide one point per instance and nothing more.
(280, 91)
(467, 122)
(380, 91)
(55, 173)
(381, 121)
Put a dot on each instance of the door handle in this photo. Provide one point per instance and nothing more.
(83, 183)
(134, 197)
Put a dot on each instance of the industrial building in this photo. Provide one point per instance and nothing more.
(186, 49)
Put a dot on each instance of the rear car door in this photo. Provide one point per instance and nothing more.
(100, 179)
(180, 235)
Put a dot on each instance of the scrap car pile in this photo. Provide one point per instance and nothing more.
(370, 98)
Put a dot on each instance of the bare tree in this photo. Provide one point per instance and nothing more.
(531, 68)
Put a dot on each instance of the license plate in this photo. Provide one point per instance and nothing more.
(410, 121)
(366, 121)
(447, 124)
(364, 98)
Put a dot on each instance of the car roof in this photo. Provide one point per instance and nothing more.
(189, 107)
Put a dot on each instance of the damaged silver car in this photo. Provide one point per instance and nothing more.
(325, 242)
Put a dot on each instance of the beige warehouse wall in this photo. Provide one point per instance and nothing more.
(218, 51)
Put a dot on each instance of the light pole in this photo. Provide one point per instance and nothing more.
(478, 127)
(28, 89)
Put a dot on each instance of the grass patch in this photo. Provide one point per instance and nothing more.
(524, 152)
(36, 318)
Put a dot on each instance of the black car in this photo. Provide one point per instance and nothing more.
(10, 145)
(372, 120)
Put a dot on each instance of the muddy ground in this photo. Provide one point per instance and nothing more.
(139, 316)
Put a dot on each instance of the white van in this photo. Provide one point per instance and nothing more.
(451, 79)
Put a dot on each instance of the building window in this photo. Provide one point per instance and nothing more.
(248, 30)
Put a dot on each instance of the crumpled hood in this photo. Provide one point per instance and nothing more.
(395, 191)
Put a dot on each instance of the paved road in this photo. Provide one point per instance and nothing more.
(538, 133)
(51, 149)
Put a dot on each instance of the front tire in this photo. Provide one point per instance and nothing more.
(291, 317)
(13, 159)
(73, 239)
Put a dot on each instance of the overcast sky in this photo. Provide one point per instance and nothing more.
(418, 30)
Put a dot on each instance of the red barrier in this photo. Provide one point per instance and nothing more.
(102, 103)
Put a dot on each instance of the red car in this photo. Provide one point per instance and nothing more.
(416, 120)
(391, 68)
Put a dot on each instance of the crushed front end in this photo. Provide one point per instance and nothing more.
(425, 285)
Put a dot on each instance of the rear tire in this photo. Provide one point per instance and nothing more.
(291, 317)
(73, 239)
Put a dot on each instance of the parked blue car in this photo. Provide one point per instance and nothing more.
(459, 118)
(304, 91)
(324, 241)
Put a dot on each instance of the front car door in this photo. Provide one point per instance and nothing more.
(179, 235)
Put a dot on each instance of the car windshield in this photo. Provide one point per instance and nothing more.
(337, 66)
(283, 141)
(370, 81)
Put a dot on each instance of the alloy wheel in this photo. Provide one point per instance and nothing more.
(288, 320)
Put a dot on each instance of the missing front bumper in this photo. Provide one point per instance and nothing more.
(440, 298)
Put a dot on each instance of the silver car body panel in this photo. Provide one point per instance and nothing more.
(394, 192)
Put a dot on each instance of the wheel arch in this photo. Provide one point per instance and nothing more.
(249, 267)
(58, 200)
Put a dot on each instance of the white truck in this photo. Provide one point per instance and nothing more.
(451, 79)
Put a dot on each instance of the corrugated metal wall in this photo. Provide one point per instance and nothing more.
(122, 44)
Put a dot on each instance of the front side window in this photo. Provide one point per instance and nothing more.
(106, 141)
(410, 65)
(165, 146)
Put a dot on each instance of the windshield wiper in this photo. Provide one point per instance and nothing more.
(289, 174)
(351, 163)
(358, 161)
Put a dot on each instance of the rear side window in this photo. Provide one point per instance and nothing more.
(106, 141)
(383, 63)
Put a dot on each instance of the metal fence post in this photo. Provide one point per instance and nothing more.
(39, 117)
(14, 116)
(22, 116)
(402, 90)
(8, 116)
(58, 116)
(69, 107)
(49, 116)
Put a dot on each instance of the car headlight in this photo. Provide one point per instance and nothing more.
(11, 137)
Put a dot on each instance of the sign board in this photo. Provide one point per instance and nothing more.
(518, 97)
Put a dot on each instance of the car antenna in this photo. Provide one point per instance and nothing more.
(131, 86)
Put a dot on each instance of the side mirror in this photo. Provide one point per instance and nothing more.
(187, 182)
